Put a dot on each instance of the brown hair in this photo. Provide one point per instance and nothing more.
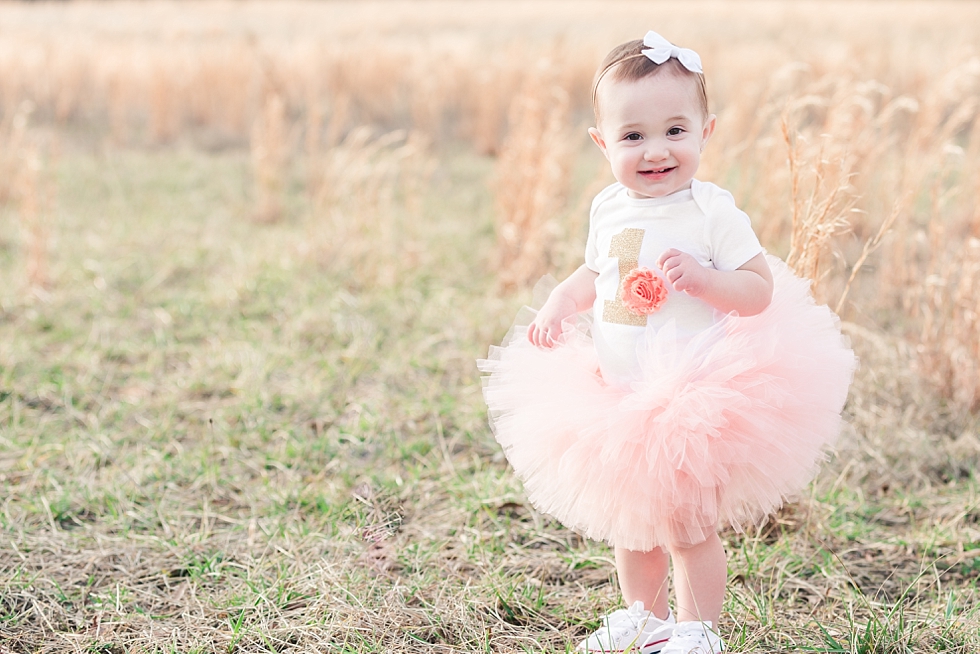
(627, 63)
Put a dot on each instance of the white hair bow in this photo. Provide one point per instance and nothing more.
(660, 50)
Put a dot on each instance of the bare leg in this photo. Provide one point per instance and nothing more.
(643, 576)
(700, 574)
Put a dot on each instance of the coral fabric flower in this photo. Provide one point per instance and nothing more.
(643, 292)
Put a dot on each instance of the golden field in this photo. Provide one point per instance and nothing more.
(250, 251)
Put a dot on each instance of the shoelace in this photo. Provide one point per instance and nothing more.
(692, 641)
(614, 622)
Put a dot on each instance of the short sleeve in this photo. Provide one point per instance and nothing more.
(729, 234)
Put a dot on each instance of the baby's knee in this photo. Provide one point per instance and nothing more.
(683, 547)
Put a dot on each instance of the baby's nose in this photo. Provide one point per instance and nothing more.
(656, 152)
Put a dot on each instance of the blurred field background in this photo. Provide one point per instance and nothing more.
(249, 253)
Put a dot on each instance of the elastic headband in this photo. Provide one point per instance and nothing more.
(658, 51)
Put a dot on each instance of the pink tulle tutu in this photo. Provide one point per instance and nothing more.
(722, 427)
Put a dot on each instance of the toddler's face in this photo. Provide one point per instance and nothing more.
(652, 132)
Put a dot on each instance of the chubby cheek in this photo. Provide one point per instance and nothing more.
(693, 157)
(625, 165)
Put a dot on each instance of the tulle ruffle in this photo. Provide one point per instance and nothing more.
(721, 428)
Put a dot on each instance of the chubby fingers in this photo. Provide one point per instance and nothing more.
(531, 333)
(539, 336)
(677, 278)
(535, 334)
(668, 259)
(671, 263)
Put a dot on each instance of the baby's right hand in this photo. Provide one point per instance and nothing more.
(546, 328)
(575, 294)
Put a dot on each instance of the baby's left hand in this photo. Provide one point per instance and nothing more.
(684, 272)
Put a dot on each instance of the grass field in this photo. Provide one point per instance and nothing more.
(239, 406)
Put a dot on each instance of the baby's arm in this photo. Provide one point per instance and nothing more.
(577, 293)
(747, 290)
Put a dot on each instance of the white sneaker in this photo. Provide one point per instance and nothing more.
(694, 638)
(632, 630)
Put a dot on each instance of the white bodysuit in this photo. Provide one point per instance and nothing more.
(626, 233)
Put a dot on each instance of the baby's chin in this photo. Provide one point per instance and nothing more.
(655, 186)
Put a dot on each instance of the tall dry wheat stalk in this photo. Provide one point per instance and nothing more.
(821, 204)
(269, 156)
(34, 203)
(13, 133)
(531, 183)
(365, 193)
(949, 350)
(27, 181)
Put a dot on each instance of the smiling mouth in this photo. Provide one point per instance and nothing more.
(658, 171)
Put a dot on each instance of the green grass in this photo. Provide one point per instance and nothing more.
(223, 436)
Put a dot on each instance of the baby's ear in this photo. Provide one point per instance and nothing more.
(709, 129)
(598, 140)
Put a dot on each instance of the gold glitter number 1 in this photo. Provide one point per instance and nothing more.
(626, 247)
